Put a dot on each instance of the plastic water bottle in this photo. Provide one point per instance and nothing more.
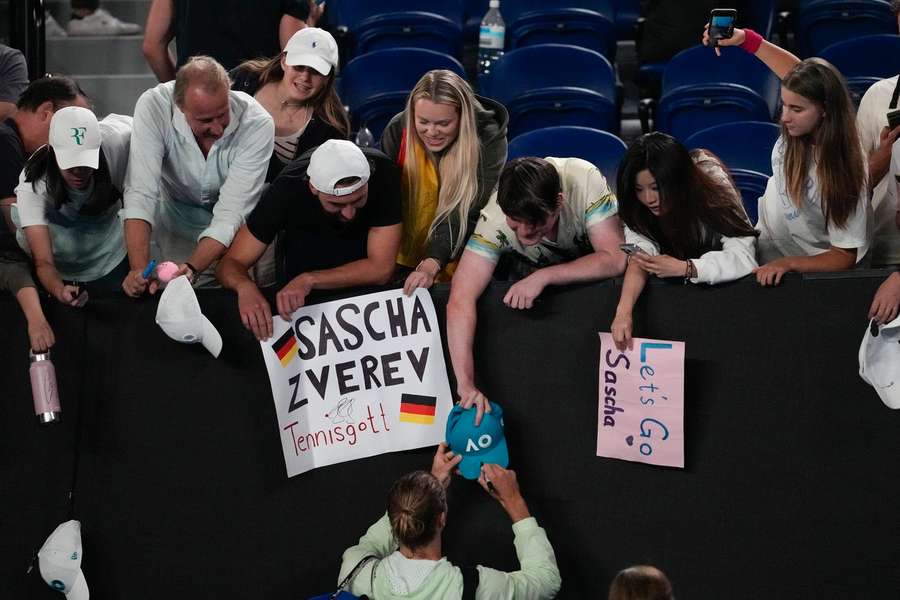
(43, 388)
(491, 38)
(364, 137)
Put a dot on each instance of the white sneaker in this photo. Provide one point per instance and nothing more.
(52, 29)
(101, 22)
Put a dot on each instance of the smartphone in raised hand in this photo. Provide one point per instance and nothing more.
(721, 24)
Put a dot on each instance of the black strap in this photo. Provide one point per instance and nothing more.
(896, 94)
(352, 574)
(470, 582)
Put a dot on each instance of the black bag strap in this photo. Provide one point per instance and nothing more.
(896, 94)
(470, 581)
(359, 566)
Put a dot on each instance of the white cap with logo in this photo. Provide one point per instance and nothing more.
(335, 160)
(179, 315)
(879, 361)
(312, 47)
(59, 561)
(75, 137)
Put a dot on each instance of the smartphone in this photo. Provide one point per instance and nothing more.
(721, 24)
(631, 249)
(893, 118)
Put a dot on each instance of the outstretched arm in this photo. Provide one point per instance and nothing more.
(158, 32)
(779, 60)
(471, 278)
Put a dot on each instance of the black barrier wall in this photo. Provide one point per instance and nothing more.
(174, 463)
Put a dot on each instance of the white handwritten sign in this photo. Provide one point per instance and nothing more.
(358, 377)
(641, 407)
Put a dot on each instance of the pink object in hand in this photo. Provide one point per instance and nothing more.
(166, 271)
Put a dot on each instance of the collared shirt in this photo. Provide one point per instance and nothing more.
(196, 196)
(588, 202)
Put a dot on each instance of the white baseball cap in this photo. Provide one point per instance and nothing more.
(335, 160)
(59, 560)
(312, 47)
(75, 137)
(178, 314)
(879, 361)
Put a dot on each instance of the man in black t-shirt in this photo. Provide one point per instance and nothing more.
(231, 31)
(339, 209)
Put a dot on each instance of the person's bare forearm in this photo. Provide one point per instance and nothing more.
(232, 274)
(632, 286)
(832, 260)
(365, 271)
(137, 242)
(462, 318)
(593, 266)
(48, 276)
(207, 251)
(160, 62)
(779, 60)
(879, 163)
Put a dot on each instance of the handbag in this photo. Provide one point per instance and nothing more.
(340, 593)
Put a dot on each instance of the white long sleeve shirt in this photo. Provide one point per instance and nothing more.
(169, 178)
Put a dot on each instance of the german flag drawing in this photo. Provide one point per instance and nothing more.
(417, 409)
(285, 347)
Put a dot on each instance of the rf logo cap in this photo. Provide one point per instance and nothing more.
(75, 138)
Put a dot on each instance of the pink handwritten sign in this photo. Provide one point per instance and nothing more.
(641, 406)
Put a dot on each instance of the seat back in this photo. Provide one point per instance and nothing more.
(820, 23)
(554, 84)
(700, 66)
(751, 185)
(375, 89)
(601, 148)
(346, 14)
(581, 27)
(744, 145)
(411, 29)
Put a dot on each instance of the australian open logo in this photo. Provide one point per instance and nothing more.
(78, 134)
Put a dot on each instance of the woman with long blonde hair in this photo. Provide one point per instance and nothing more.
(297, 88)
(451, 145)
(815, 214)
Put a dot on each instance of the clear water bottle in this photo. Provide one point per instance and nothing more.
(43, 387)
(364, 137)
(491, 38)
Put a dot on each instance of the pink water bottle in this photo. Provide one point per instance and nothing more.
(43, 388)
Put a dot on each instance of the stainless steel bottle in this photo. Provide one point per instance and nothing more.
(43, 388)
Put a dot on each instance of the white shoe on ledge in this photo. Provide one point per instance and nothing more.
(101, 22)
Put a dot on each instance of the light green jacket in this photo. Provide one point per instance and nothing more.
(537, 579)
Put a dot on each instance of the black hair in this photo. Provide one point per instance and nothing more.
(42, 165)
(689, 198)
(61, 91)
(529, 190)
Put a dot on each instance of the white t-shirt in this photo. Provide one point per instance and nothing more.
(871, 118)
(85, 247)
(736, 257)
(786, 230)
(587, 202)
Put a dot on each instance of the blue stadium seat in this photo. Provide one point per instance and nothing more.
(743, 145)
(602, 148)
(820, 23)
(758, 15)
(375, 85)
(585, 23)
(346, 14)
(865, 60)
(473, 13)
(554, 84)
(751, 185)
(627, 14)
(368, 26)
(700, 90)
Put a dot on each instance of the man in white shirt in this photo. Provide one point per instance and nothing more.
(878, 140)
(199, 154)
(558, 218)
